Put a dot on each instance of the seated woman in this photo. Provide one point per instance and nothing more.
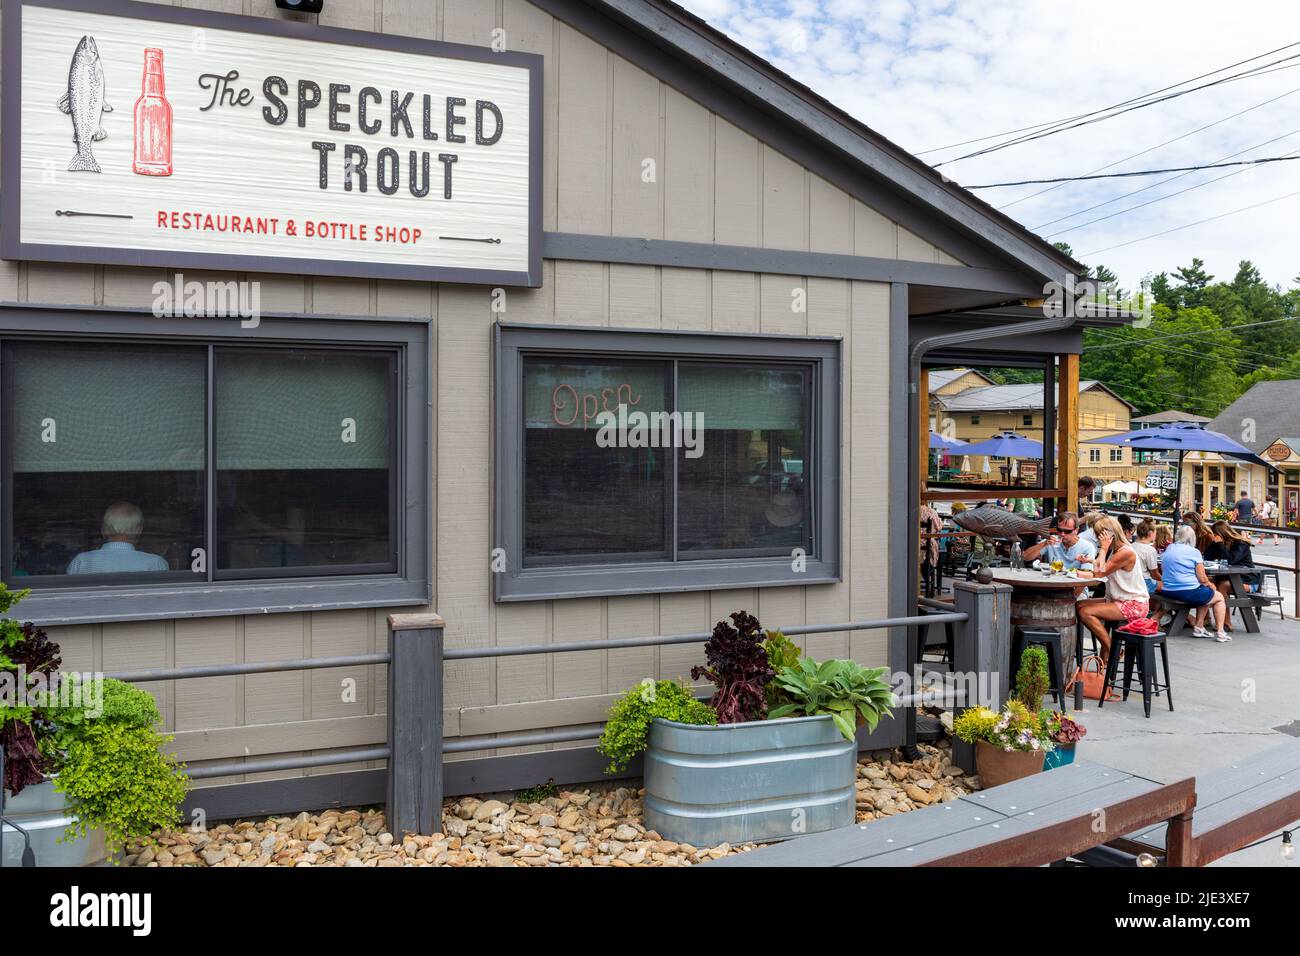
(1233, 548)
(1126, 593)
(1197, 523)
(1164, 538)
(1183, 578)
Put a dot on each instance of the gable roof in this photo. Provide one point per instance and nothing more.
(1007, 398)
(1273, 407)
(685, 36)
(946, 376)
(1172, 416)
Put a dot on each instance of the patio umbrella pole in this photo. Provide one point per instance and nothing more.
(1178, 487)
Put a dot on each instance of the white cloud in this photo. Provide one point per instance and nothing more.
(928, 73)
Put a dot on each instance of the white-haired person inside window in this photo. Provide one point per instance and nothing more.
(122, 525)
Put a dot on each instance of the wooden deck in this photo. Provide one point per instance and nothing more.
(1031, 822)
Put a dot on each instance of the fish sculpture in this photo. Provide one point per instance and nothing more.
(992, 522)
(84, 102)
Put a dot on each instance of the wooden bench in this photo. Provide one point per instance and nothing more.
(1031, 822)
(1235, 806)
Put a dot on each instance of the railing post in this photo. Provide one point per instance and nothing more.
(983, 651)
(415, 724)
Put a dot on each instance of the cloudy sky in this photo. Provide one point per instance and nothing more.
(931, 73)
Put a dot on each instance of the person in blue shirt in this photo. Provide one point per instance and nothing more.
(122, 525)
(1183, 577)
(1065, 545)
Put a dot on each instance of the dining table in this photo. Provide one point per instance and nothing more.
(1045, 599)
(1241, 598)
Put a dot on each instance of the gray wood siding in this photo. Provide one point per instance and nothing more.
(707, 181)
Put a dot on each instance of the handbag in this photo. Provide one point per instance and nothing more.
(1093, 675)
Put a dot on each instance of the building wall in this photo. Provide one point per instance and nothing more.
(713, 183)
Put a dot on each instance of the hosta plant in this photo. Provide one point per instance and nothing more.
(842, 689)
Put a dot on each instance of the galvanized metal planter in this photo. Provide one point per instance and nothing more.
(753, 782)
(43, 813)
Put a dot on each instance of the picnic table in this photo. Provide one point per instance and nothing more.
(1241, 599)
(1030, 822)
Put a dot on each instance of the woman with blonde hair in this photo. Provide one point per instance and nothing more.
(1164, 537)
(1126, 590)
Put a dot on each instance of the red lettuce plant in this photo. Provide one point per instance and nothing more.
(738, 666)
(24, 650)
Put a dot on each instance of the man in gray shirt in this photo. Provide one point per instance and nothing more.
(1245, 509)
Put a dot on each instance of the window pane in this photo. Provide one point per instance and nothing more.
(303, 446)
(747, 489)
(106, 456)
(582, 500)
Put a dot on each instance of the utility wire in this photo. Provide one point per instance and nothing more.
(1199, 222)
(1295, 154)
(1150, 186)
(1120, 112)
(1185, 335)
(1069, 119)
(1140, 172)
(1149, 149)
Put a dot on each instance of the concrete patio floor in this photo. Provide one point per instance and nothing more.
(1230, 699)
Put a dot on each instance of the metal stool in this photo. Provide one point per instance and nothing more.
(923, 634)
(1139, 651)
(1051, 641)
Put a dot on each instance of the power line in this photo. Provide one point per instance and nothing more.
(1120, 112)
(1175, 350)
(1168, 142)
(1295, 154)
(1199, 222)
(1150, 186)
(1184, 335)
(1140, 172)
(1069, 119)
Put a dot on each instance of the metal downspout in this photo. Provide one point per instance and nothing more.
(914, 413)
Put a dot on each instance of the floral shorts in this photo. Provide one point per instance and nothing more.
(1132, 610)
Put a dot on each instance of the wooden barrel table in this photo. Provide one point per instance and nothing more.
(1047, 602)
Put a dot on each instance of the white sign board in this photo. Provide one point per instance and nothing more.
(145, 134)
(1161, 481)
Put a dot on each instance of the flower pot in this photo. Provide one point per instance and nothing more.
(751, 782)
(997, 766)
(44, 813)
(1062, 755)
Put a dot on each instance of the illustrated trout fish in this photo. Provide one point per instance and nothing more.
(84, 102)
(990, 521)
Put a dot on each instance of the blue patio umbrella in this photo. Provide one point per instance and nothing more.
(1182, 438)
(1006, 445)
(938, 442)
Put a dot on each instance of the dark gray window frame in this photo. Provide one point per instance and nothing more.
(410, 585)
(515, 583)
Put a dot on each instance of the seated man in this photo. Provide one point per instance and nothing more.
(1065, 546)
(122, 525)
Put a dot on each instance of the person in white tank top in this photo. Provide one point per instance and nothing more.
(1126, 591)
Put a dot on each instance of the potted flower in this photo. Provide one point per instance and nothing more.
(84, 766)
(1008, 746)
(1066, 734)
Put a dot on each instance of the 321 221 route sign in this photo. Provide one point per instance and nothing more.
(148, 135)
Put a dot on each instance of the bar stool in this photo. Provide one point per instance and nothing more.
(1140, 651)
(1050, 640)
(923, 635)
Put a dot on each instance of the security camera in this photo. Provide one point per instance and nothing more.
(300, 6)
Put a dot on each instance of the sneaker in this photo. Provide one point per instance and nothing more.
(1222, 638)
(1200, 632)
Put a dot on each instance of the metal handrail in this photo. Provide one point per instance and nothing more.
(254, 667)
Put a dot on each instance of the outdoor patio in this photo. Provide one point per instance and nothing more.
(1231, 701)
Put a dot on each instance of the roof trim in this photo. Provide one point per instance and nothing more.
(672, 27)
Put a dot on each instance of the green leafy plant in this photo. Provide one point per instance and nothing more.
(1016, 728)
(1031, 679)
(543, 791)
(631, 715)
(844, 689)
(781, 652)
(113, 769)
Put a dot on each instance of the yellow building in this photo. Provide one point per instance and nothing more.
(966, 404)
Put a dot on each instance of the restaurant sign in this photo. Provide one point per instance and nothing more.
(142, 134)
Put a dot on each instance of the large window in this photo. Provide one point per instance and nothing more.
(149, 473)
(111, 475)
(640, 461)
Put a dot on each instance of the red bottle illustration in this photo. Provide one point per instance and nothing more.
(153, 121)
